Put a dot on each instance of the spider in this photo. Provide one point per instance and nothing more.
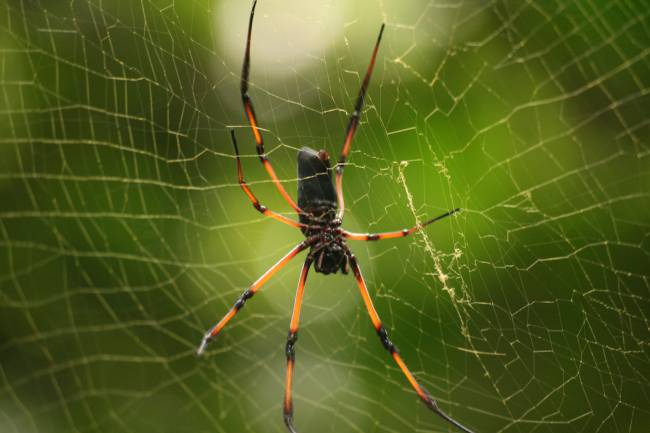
(320, 211)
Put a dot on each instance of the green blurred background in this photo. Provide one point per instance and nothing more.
(124, 235)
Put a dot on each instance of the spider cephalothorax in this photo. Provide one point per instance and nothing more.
(320, 211)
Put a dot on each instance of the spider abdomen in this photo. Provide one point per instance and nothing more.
(330, 259)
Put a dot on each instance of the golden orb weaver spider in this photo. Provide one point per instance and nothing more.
(320, 211)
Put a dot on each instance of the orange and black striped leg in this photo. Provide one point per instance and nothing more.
(390, 347)
(397, 234)
(291, 341)
(352, 127)
(256, 203)
(252, 119)
(241, 301)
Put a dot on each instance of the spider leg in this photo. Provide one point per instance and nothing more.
(292, 337)
(390, 347)
(241, 301)
(395, 234)
(256, 203)
(352, 127)
(252, 119)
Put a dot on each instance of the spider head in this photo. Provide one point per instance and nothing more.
(316, 195)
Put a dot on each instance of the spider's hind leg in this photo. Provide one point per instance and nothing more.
(392, 349)
(292, 337)
(250, 292)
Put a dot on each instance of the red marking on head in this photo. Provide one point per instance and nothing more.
(323, 155)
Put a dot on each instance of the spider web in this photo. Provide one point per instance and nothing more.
(124, 234)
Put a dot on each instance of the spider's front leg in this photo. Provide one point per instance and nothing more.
(292, 337)
(353, 123)
(249, 193)
(392, 349)
(241, 301)
(252, 119)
